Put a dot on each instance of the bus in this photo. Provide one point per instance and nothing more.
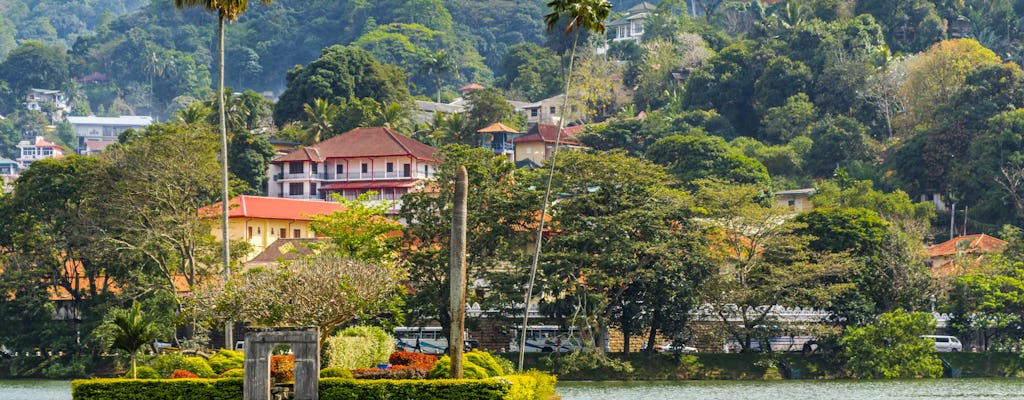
(545, 339)
(426, 339)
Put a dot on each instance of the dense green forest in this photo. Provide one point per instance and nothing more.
(894, 111)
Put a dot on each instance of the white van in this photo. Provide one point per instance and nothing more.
(946, 343)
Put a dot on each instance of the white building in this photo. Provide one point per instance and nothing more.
(96, 133)
(363, 159)
(631, 26)
(38, 149)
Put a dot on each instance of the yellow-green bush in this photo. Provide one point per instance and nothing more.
(143, 372)
(335, 372)
(358, 347)
(475, 365)
(165, 364)
(233, 373)
(226, 359)
(530, 385)
(156, 389)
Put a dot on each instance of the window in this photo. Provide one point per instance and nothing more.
(792, 203)
(295, 189)
(340, 169)
(426, 171)
(391, 167)
(312, 189)
(406, 170)
(314, 166)
(284, 233)
(295, 167)
(552, 109)
(533, 112)
(297, 233)
(365, 168)
(250, 233)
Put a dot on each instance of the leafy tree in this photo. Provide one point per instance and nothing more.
(838, 141)
(326, 289)
(361, 230)
(320, 117)
(892, 347)
(695, 157)
(935, 76)
(790, 120)
(250, 157)
(340, 75)
(486, 106)
(726, 84)
(34, 64)
(781, 79)
(986, 303)
(500, 212)
(623, 240)
(130, 331)
(530, 72)
(761, 261)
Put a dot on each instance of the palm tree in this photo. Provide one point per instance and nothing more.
(436, 63)
(227, 10)
(589, 15)
(319, 118)
(131, 331)
(394, 116)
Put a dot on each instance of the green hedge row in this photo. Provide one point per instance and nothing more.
(533, 386)
(157, 389)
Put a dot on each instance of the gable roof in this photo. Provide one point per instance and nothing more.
(547, 134)
(272, 208)
(288, 249)
(362, 142)
(979, 243)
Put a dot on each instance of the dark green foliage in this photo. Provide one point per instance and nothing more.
(857, 230)
(694, 157)
(35, 65)
(838, 142)
(250, 157)
(340, 74)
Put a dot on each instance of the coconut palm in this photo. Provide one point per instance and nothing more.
(131, 331)
(583, 14)
(436, 63)
(319, 118)
(227, 11)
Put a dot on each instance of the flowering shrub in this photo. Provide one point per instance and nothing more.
(393, 372)
(414, 360)
(182, 374)
(282, 368)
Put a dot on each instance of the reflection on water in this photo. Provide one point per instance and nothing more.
(779, 390)
(35, 390)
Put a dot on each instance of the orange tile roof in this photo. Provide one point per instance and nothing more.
(979, 243)
(497, 127)
(272, 208)
(547, 133)
(362, 142)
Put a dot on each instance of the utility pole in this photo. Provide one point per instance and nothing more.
(457, 274)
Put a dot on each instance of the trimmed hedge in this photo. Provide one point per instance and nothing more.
(530, 386)
(156, 389)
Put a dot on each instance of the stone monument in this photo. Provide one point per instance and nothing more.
(305, 343)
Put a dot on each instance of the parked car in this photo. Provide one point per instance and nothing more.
(5, 352)
(945, 343)
(671, 346)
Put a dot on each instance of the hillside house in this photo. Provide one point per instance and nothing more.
(96, 133)
(957, 255)
(364, 159)
(798, 200)
(37, 149)
(499, 138)
(261, 221)
(36, 98)
(631, 25)
(538, 144)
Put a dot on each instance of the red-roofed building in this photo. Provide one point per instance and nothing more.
(955, 256)
(260, 221)
(539, 142)
(470, 87)
(363, 159)
(38, 149)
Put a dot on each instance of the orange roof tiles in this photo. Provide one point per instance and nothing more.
(979, 243)
(497, 127)
(272, 208)
(360, 143)
(548, 133)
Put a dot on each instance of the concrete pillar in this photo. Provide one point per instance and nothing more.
(305, 344)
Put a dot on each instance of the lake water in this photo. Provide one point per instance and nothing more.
(35, 390)
(684, 390)
(798, 390)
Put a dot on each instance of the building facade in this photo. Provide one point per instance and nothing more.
(374, 159)
(261, 221)
(96, 133)
(37, 149)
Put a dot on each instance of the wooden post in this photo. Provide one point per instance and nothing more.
(457, 274)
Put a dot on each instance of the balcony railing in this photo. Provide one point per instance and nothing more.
(375, 175)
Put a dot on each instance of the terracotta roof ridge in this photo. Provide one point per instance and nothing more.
(391, 134)
(242, 200)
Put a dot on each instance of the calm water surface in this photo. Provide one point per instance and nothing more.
(35, 390)
(785, 390)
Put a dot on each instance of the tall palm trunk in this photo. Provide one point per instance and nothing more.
(544, 206)
(437, 79)
(224, 169)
